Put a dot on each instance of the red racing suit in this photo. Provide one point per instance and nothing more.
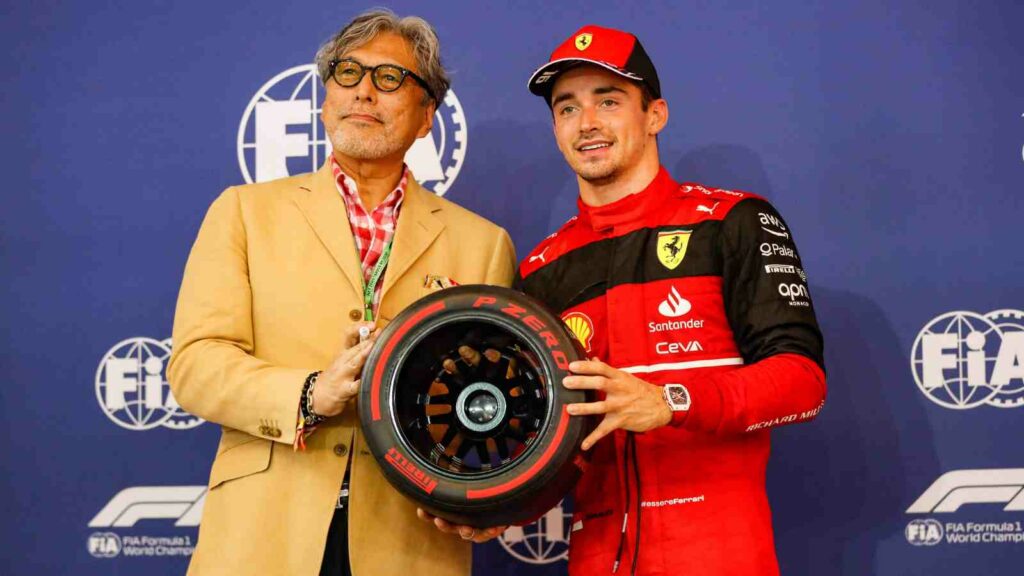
(702, 287)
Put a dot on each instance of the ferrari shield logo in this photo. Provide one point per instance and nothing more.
(672, 247)
(583, 41)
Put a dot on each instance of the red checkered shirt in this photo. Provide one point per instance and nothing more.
(371, 230)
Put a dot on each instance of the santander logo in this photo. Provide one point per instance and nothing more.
(674, 305)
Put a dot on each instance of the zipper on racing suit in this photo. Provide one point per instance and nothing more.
(629, 452)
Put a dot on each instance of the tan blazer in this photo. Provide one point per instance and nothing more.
(272, 281)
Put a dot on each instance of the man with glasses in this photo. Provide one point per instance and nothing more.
(282, 277)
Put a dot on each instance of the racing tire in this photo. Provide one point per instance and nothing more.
(462, 405)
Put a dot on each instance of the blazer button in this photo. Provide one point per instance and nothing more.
(274, 432)
(340, 449)
(355, 315)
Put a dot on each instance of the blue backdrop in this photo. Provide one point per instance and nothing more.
(889, 134)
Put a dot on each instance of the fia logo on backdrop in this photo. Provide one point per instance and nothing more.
(997, 493)
(924, 532)
(132, 388)
(963, 360)
(281, 134)
(543, 542)
(177, 506)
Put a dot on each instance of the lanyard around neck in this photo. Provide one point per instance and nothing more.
(370, 286)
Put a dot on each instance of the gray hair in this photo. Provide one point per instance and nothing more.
(417, 31)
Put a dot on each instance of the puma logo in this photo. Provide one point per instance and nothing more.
(703, 208)
(539, 256)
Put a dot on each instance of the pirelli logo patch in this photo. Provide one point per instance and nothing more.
(410, 471)
(672, 247)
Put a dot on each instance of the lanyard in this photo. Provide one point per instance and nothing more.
(370, 287)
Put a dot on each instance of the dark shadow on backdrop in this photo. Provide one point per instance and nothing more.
(837, 485)
(724, 166)
(525, 175)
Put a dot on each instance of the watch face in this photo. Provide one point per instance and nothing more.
(678, 396)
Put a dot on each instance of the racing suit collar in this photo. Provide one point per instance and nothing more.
(629, 209)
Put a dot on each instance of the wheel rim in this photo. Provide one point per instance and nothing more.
(467, 414)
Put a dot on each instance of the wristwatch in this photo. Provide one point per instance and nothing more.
(677, 397)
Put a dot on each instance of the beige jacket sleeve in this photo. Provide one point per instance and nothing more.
(502, 267)
(213, 372)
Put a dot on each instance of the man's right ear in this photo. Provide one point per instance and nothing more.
(657, 114)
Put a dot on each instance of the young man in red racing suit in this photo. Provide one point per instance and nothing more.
(693, 306)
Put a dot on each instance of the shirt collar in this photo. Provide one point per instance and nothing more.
(628, 209)
(347, 187)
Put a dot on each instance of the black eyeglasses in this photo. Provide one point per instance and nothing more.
(385, 77)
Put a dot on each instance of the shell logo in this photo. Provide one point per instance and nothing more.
(581, 326)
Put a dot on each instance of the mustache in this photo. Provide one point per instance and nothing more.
(591, 139)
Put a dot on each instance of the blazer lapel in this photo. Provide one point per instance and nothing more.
(324, 209)
(417, 228)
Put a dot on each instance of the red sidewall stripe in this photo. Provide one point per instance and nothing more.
(563, 425)
(375, 410)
